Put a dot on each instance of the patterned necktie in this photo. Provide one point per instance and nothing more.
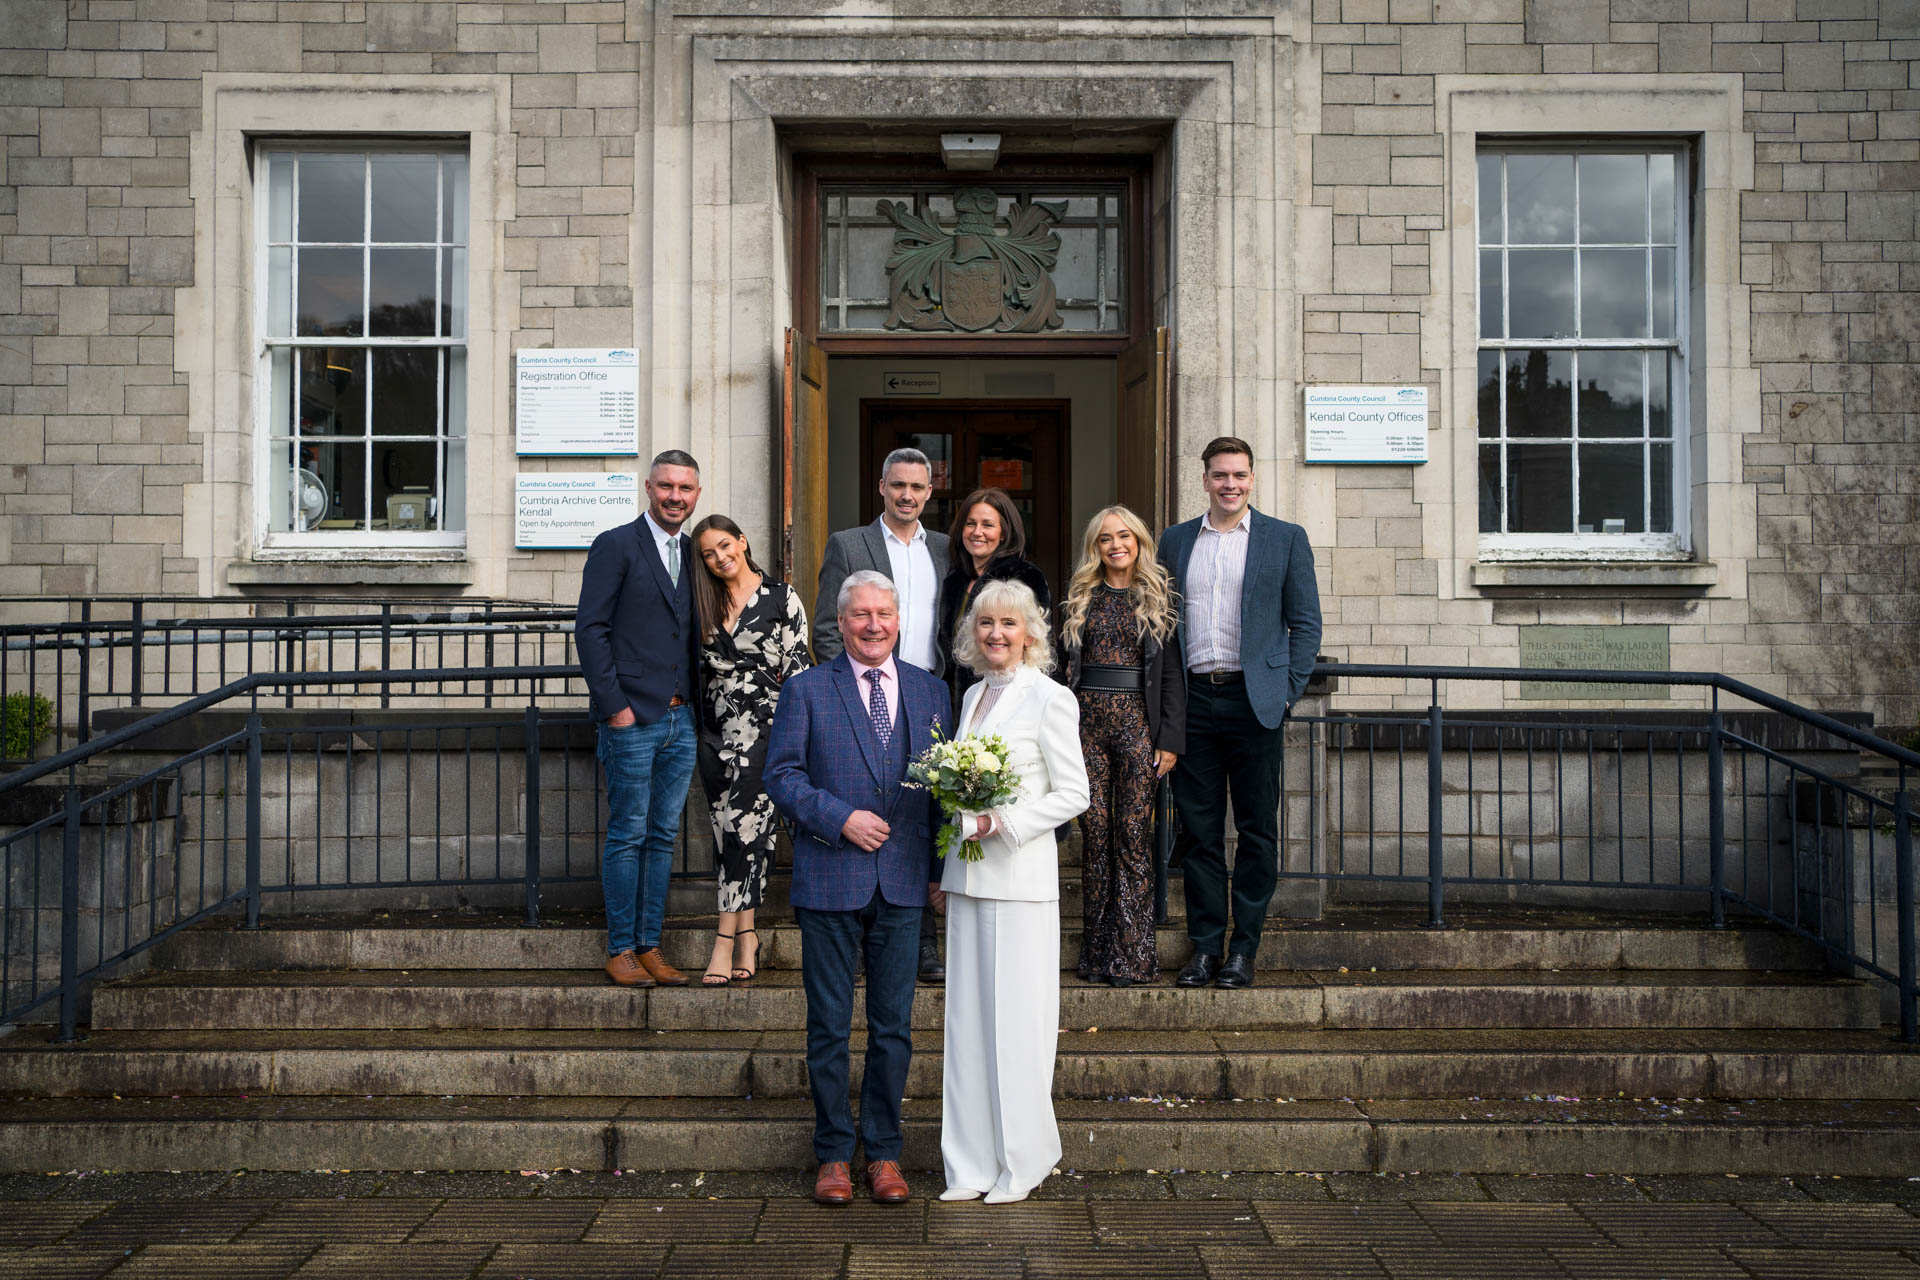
(877, 709)
(673, 559)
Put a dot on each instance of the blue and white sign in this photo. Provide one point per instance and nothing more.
(577, 402)
(1366, 424)
(566, 510)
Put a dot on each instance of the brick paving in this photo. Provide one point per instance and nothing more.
(1145, 1226)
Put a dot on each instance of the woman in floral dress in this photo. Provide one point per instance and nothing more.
(753, 635)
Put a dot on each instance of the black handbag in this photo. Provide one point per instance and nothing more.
(1166, 830)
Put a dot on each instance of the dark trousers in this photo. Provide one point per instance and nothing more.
(1230, 757)
(889, 938)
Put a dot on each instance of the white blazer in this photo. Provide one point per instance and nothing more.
(1040, 722)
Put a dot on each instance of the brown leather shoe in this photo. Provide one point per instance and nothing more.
(659, 970)
(887, 1183)
(834, 1185)
(626, 970)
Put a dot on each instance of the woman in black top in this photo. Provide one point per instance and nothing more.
(989, 545)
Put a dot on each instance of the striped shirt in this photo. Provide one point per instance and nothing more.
(1215, 571)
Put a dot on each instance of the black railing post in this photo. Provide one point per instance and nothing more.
(533, 816)
(70, 915)
(1903, 895)
(1716, 816)
(1436, 853)
(386, 652)
(253, 820)
(136, 678)
(86, 670)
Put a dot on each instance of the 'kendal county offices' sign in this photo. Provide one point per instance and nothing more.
(1365, 424)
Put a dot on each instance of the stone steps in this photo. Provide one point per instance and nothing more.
(1212, 1065)
(1857, 1139)
(582, 998)
(1379, 939)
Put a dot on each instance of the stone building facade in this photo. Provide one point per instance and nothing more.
(1315, 193)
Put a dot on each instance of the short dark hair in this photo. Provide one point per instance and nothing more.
(674, 458)
(1013, 530)
(1225, 444)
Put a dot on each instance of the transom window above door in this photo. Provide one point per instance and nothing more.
(1583, 349)
(979, 259)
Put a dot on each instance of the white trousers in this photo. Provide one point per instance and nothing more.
(997, 1131)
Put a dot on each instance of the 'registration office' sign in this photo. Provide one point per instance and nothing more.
(565, 510)
(577, 402)
(1366, 424)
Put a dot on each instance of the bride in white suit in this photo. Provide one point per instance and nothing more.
(997, 1132)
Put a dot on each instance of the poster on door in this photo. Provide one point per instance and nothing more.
(576, 402)
(566, 510)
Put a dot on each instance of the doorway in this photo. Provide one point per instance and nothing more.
(1020, 447)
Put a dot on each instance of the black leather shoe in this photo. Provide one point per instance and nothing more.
(1237, 972)
(1200, 972)
(931, 970)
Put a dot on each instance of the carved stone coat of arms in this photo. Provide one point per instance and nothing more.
(978, 276)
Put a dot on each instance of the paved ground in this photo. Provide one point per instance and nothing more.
(1148, 1226)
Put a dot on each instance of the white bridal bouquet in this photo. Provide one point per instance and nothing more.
(971, 773)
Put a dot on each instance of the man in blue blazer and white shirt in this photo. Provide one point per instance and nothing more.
(843, 735)
(1250, 625)
(639, 645)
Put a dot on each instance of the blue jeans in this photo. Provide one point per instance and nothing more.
(829, 941)
(648, 768)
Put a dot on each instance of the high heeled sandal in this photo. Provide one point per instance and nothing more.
(713, 977)
(742, 974)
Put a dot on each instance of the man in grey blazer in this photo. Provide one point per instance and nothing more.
(914, 558)
(1249, 625)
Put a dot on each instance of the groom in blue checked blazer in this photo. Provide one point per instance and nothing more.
(843, 735)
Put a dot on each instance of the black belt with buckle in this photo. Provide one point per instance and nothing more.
(1217, 677)
(1104, 678)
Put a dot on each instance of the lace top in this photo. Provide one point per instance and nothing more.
(996, 682)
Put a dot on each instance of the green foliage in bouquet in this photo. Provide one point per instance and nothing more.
(973, 773)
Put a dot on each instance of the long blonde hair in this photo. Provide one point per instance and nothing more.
(1150, 591)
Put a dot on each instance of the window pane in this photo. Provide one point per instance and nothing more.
(280, 391)
(1492, 301)
(1490, 488)
(1660, 460)
(404, 391)
(1612, 497)
(405, 197)
(279, 197)
(403, 482)
(453, 498)
(1613, 293)
(1610, 393)
(329, 303)
(1540, 304)
(1539, 199)
(1659, 418)
(1489, 393)
(453, 293)
(281, 485)
(340, 468)
(279, 292)
(1490, 199)
(1660, 175)
(333, 391)
(456, 392)
(1663, 293)
(453, 210)
(1539, 393)
(1539, 488)
(1613, 199)
(400, 301)
(332, 198)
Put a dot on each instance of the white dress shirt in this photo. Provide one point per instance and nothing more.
(1215, 572)
(662, 540)
(910, 566)
(889, 686)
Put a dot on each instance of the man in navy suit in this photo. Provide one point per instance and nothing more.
(639, 645)
(1250, 624)
(843, 735)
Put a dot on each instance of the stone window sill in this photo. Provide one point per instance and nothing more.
(1610, 577)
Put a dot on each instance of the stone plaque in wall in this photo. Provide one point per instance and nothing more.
(1608, 648)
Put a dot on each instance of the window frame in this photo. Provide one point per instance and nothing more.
(1675, 544)
(264, 345)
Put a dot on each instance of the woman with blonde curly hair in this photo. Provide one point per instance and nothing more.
(1120, 617)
